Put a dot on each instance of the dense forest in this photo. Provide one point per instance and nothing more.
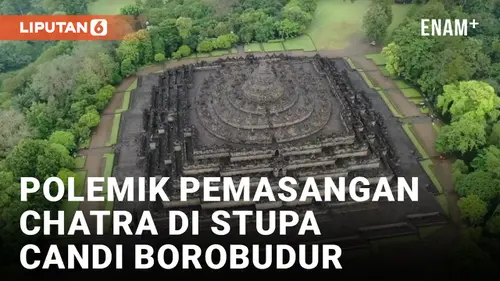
(52, 93)
(460, 77)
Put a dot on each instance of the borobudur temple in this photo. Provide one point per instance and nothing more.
(274, 116)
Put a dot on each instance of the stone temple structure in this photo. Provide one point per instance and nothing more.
(270, 117)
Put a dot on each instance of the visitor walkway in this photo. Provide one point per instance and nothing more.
(422, 126)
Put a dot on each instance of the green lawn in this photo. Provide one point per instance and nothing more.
(108, 171)
(108, 7)
(336, 22)
(113, 138)
(125, 104)
(203, 55)
(408, 129)
(378, 59)
(272, 47)
(302, 43)
(386, 73)
(132, 86)
(424, 110)
(428, 167)
(402, 84)
(416, 100)
(218, 53)
(85, 144)
(253, 48)
(80, 162)
(411, 93)
(398, 16)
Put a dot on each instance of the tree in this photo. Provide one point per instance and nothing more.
(64, 174)
(494, 138)
(55, 78)
(294, 13)
(469, 96)
(89, 119)
(127, 68)
(488, 160)
(184, 26)
(23, 158)
(286, 29)
(391, 54)
(131, 10)
(375, 23)
(473, 209)
(103, 96)
(42, 117)
(13, 128)
(183, 51)
(480, 183)
(386, 6)
(71, 7)
(226, 41)
(66, 139)
(159, 57)
(153, 4)
(51, 160)
(11, 209)
(205, 46)
(464, 135)
(459, 169)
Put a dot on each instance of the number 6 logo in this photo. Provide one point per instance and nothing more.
(98, 27)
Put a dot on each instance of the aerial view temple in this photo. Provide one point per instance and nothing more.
(273, 116)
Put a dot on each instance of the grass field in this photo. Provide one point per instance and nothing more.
(108, 7)
(113, 138)
(80, 162)
(336, 22)
(302, 43)
(272, 47)
(398, 16)
(411, 93)
(253, 48)
(378, 59)
(125, 104)
(402, 84)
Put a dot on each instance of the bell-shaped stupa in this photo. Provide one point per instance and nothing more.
(263, 85)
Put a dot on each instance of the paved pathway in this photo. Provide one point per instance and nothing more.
(422, 126)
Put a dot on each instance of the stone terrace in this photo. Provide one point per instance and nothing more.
(271, 117)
